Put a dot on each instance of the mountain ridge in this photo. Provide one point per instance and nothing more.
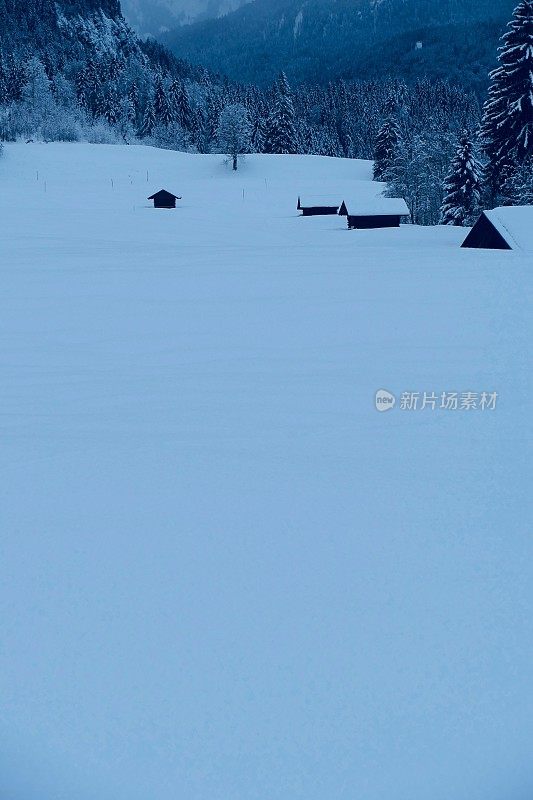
(322, 40)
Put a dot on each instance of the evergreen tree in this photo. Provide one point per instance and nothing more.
(462, 186)
(507, 128)
(387, 141)
(162, 110)
(82, 89)
(258, 135)
(181, 104)
(15, 79)
(111, 106)
(281, 136)
(149, 120)
(518, 188)
(92, 84)
(100, 103)
(133, 105)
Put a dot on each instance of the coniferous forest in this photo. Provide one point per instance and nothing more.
(76, 71)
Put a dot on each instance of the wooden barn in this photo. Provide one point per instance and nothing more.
(376, 212)
(506, 228)
(318, 206)
(164, 199)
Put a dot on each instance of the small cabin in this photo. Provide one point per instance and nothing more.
(318, 206)
(506, 228)
(375, 212)
(164, 199)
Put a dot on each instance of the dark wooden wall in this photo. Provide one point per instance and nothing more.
(485, 236)
(318, 211)
(371, 222)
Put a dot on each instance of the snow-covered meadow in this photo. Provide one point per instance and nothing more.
(223, 573)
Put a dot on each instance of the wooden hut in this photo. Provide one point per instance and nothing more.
(318, 206)
(374, 212)
(506, 228)
(164, 199)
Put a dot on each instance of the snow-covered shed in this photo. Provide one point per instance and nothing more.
(315, 206)
(505, 228)
(164, 199)
(375, 212)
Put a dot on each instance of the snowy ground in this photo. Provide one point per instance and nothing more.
(224, 575)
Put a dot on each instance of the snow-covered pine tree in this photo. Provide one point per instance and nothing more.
(387, 141)
(281, 136)
(149, 121)
(507, 127)
(133, 104)
(518, 188)
(92, 85)
(100, 103)
(462, 186)
(258, 134)
(15, 79)
(162, 111)
(181, 105)
(111, 106)
(82, 89)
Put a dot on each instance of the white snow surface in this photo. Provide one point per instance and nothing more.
(515, 223)
(223, 573)
(376, 205)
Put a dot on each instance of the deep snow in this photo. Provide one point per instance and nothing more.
(223, 574)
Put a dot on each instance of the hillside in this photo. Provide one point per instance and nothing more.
(152, 17)
(320, 41)
(224, 574)
(65, 34)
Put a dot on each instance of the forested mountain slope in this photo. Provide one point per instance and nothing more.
(154, 16)
(327, 39)
(64, 32)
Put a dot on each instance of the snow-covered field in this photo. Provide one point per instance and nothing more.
(224, 575)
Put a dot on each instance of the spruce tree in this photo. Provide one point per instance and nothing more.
(82, 89)
(462, 186)
(111, 109)
(133, 104)
(162, 111)
(281, 136)
(518, 188)
(507, 128)
(181, 104)
(258, 135)
(386, 145)
(149, 121)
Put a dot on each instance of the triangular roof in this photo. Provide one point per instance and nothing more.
(164, 192)
(514, 224)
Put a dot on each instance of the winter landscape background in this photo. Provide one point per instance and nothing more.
(222, 572)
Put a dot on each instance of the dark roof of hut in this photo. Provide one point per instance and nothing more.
(164, 193)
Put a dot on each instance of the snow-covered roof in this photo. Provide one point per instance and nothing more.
(312, 201)
(515, 224)
(377, 206)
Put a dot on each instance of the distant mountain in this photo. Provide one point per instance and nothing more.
(151, 17)
(322, 40)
